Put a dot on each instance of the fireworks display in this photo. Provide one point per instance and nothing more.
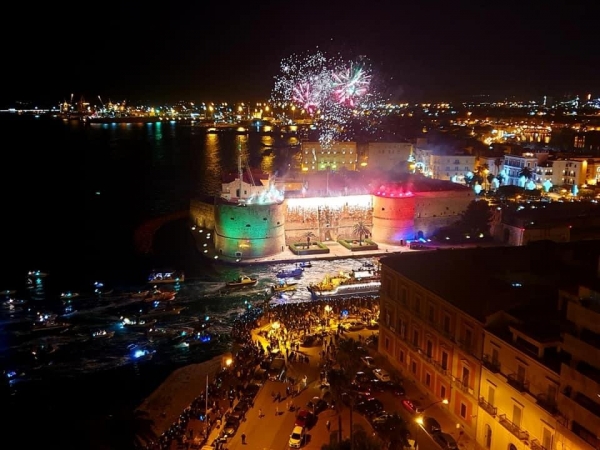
(331, 91)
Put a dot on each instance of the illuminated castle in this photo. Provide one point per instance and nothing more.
(253, 218)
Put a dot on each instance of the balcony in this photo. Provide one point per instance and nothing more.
(513, 428)
(535, 445)
(518, 383)
(462, 386)
(549, 404)
(490, 364)
(467, 346)
(439, 368)
(488, 407)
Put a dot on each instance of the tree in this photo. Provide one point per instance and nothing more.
(476, 218)
(360, 229)
(526, 172)
(308, 235)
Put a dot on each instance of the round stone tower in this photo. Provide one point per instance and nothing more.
(393, 219)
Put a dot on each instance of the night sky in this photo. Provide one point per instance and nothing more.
(166, 51)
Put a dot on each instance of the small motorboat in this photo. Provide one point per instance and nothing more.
(306, 264)
(166, 276)
(68, 295)
(290, 273)
(242, 281)
(284, 287)
(102, 334)
(37, 274)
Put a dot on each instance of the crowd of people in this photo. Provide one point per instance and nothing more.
(284, 327)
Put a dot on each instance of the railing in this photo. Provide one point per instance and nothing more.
(518, 383)
(466, 345)
(462, 386)
(535, 445)
(490, 364)
(488, 407)
(549, 404)
(439, 368)
(513, 428)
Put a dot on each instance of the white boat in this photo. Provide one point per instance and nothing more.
(102, 334)
(36, 274)
(242, 281)
(68, 295)
(166, 276)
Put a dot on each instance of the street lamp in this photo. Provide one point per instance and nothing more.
(419, 420)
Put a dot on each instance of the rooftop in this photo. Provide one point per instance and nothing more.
(483, 281)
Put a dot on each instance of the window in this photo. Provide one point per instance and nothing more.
(417, 304)
(444, 362)
(429, 349)
(404, 295)
(387, 344)
(468, 337)
(516, 418)
(402, 329)
(491, 395)
(413, 367)
(463, 410)
(465, 376)
(446, 324)
(416, 338)
(521, 373)
(495, 356)
(547, 438)
(443, 391)
(431, 314)
(401, 356)
(427, 379)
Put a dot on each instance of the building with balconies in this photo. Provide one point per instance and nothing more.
(338, 156)
(520, 381)
(458, 323)
(579, 392)
(389, 155)
(451, 167)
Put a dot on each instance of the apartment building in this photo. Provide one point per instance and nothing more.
(388, 155)
(451, 167)
(520, 382)
(340, 155)
(484, 328)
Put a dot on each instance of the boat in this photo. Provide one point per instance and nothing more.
(13, 302)
(37, 274)
(8, 292)
(162, 310)
(284, 287)
(344, 285)
(159, 296)
(306, 264)
(242, 281)
(102, 334)
(290, 273)
(68, 295)
(166, 276)
(137, 323)
(48, 325)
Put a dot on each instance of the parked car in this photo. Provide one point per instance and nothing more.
(412, 406)
(239, 410)
(304, 419)
(393, 387)
(431, 425)
(317, 405)
(297, 437)
(382, 375)
(368, 361)
(230, 427)
(370, 407)
(446, 441)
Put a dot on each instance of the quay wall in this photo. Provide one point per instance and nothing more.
(202, 212)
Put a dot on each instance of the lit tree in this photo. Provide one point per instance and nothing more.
(360, 229)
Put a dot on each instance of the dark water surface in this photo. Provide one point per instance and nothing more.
(73, 197)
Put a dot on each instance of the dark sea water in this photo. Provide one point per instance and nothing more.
(74, 195)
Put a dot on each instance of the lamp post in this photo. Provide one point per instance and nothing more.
(419, 419)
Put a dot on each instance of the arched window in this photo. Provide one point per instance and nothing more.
(488, 436)
(512, 447)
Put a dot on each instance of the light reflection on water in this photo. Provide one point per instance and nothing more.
(205, 299)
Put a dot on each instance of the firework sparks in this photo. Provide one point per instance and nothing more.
(333, 92)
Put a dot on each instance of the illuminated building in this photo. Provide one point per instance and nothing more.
(451, 167)
(481, 328)
(338, 155)
(387, 155)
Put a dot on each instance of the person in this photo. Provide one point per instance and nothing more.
(260, 414)
(328, 425)
(243, 439)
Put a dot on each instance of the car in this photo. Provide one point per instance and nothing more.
(304, 419)
(446, 441)
(239, 410)
(361, 377)
(431, 425)
(317, 405)
(370, 407)
(249, 393)
(368, 361)
(382, 375)
(412, 406)
(230, 427)
(297, 437)
(393, 387)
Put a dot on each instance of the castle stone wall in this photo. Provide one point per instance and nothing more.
(393, 219)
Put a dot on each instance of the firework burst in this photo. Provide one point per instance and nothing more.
(332, 91)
